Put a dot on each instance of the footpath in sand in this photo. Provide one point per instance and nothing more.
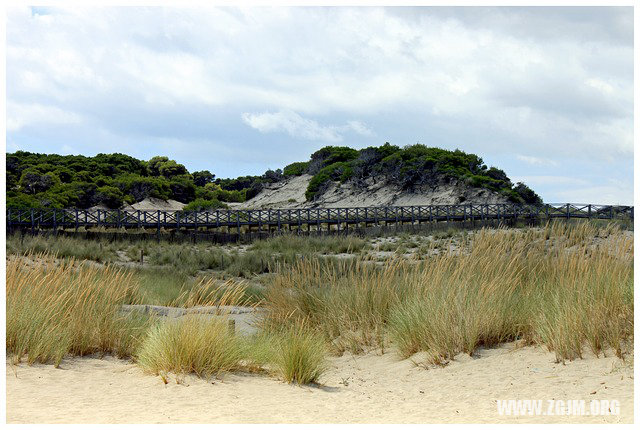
(356, 389)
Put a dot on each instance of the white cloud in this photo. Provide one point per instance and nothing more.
(296, 126)
(537, 161)
(537, 180)
(500, 82)
(600, 194)
(21, 115)
(360, 128)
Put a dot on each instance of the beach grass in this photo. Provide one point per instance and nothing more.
(192, 344)
(565, 286)
(57, 308)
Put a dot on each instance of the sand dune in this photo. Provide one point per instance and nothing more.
(372, 388)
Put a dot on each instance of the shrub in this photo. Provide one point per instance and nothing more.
(295, 169)
(202, 205)
(324, 176)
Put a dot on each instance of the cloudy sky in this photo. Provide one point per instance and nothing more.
(544, 93)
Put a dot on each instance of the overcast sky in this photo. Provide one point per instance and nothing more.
(544, 93)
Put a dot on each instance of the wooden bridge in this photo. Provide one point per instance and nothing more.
(309, 219)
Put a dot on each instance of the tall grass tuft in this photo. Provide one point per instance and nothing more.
(57, 308)
(297, 353)
(193, 344)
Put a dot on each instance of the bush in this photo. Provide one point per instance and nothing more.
(295, 169)
(202, 205)
(324, 176)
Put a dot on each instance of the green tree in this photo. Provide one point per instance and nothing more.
(202, 178)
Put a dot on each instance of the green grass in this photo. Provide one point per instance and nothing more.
(63, 247)
(312, 244)
(161, 286)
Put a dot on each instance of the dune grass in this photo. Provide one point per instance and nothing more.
(312, 244)
(101, 251)
(565, 286)
(296, 353)
(190, 259)
(193, 344)
(58, 308)
(300, 355)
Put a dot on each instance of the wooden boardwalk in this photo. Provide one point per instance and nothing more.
(307, 219)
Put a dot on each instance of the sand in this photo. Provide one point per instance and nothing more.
(290, 193)
(154, 204)
(372, 388)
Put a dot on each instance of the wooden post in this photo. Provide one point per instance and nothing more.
(141, 257)
(589, 212)
(279, 225)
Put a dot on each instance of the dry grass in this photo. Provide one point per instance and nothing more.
(56, 308)
(565, 286)
(193, 344)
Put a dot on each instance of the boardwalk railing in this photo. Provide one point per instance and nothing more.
(309, 218)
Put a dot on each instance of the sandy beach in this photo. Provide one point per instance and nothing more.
(372, 388)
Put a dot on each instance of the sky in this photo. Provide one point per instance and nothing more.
(545, 94)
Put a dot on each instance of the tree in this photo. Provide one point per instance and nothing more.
(111, 197)
(527, 194)
(202, 178)
(170, 168)
(182, 189)
(33, 181)
(154, 164)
